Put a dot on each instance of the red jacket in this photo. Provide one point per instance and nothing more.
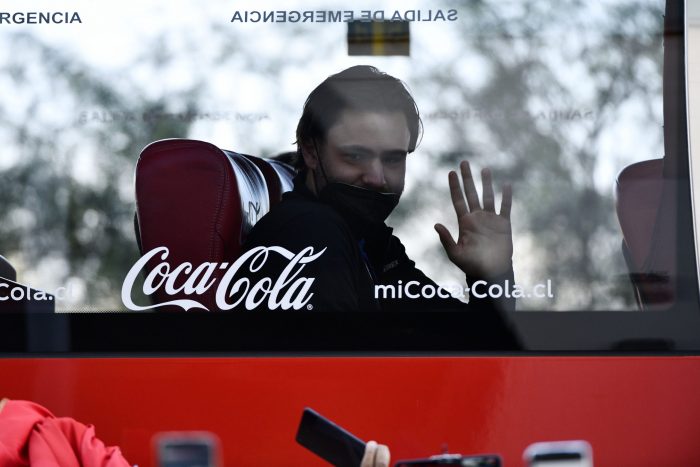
(30, 435)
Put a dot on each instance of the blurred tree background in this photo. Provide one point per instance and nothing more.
(555, 97)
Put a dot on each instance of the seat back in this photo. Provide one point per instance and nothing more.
(201, 202)
(646, 209)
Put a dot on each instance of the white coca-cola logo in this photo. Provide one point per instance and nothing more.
(287, 291)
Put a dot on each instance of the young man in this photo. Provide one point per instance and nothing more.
(353, 138)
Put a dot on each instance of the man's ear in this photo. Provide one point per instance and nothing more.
(308, 151)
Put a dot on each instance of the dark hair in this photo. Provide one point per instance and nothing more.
(362, 88)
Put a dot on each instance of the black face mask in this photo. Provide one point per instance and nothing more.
(355, 204)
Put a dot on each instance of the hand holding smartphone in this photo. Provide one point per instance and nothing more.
(343, 449)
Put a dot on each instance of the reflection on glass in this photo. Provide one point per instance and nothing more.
(556, 97)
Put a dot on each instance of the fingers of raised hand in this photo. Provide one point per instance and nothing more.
(469, 186)
(506, 201)
(446, 239)
(456, 195)
(487, 187)
(472, 197)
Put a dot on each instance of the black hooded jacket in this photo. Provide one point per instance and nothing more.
(356, 260)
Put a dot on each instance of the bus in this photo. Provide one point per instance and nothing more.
(143, 143)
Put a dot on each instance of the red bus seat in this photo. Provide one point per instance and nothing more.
(200, 202)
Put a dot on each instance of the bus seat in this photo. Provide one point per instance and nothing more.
(646, 210)
(200, 202)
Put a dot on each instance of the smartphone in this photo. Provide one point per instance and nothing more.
(559, 454)
(329, 441)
